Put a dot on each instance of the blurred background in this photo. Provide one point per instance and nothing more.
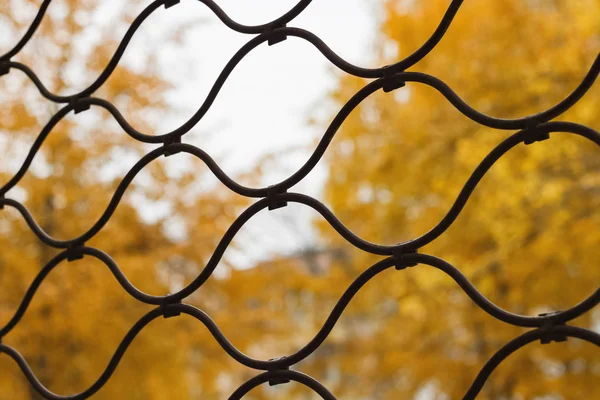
(527, 239)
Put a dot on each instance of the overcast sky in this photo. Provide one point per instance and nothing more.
(265, 106)
(263, 109)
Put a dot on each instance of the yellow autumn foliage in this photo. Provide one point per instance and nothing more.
(527, 238)
(80, 313)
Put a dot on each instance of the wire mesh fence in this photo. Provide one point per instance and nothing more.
(548, 327)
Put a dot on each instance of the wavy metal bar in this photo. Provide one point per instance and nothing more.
(403, 77)
(500, 123)
(329, 134)
(413, 244)
(120, 191)
(105, 73)
(177, 297)
(486, 305)
(532, 128)
(521, 341)
(56, 118)
(478, 298)
(326, 139)
(257, 29)
(166, 311)
(486, 164)
(430, 44)
(114, 61)
(275, 374)
(282, 376)
(266, 29)
(82, 98)
(286, 184)
(101, 381)
(28, 34)
(172, 309)
(114, 361)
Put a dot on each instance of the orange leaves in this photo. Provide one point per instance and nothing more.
(526, 236)
(80, 314)
(16, 117)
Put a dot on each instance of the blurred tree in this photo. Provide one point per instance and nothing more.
(80, 314)
(528, 238)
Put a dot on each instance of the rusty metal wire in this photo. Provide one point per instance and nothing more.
(546, 327)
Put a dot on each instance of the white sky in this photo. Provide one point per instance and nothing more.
(264, 107)
(266, 104)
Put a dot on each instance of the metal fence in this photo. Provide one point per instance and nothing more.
(544, 327)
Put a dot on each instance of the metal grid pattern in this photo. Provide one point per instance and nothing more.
(545, 327)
